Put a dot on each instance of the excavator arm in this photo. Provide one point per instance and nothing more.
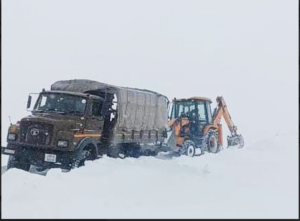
(222, 111)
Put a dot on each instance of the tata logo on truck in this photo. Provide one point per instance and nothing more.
(34, 131)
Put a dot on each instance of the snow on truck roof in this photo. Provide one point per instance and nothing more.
(83, 86)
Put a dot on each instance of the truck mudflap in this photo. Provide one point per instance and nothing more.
(40, 158)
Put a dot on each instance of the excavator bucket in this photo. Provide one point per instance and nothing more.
(235, 140)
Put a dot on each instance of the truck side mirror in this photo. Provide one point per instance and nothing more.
(29, 101)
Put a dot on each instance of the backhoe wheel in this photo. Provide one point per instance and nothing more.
(212, 142)
(13, 162)
(188, 148)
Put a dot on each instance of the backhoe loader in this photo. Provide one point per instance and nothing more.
(196, 129)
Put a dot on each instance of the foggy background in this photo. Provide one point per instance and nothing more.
(246, 51)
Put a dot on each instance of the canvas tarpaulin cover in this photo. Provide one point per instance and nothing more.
(138, 109)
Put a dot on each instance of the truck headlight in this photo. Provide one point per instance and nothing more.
(11, 136)
(62, 143)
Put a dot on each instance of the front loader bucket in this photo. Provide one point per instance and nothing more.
(171, 140)
(169, 143)
(235, 140)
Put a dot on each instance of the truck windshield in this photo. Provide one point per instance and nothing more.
(60, 103)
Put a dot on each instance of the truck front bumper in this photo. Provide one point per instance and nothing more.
(39, 157)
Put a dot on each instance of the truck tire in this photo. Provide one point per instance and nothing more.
(149, 152)
(154, 153)
(87, 153)
(13, 162)
(133, 150)
(92, 152)
(116, 151)
(212, 142)
(80, 159)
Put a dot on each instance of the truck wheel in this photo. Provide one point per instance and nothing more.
(212, 142)
(13, 162)
(80, 158)
(188, 148)
(116, 151)
(87, 153)
(92, 153)
(112, 151)
(133, 150)
(154, 153)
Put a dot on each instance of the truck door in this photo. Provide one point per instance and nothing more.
(94, 119)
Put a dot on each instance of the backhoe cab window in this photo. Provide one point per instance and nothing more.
(209, 115)
(201, 112)
(61, 103)
(184, 108)
(197, 110)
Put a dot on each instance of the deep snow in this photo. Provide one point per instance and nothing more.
(245, 51)
(258, 181)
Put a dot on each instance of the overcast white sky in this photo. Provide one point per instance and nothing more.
(246, 51)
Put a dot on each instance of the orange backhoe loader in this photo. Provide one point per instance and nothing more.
(197, 129)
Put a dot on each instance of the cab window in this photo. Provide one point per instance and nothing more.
(201, 112)
(184, 107)
(208, 108)
(96, 109)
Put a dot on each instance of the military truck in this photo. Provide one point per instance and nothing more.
(79, 120)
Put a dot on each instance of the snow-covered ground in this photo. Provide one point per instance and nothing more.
(245, 51)
(258, 181)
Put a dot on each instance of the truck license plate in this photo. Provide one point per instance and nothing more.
(50, 157)
(9, 151)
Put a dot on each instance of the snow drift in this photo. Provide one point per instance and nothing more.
(235, 183)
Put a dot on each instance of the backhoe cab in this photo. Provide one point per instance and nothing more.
(197, 129)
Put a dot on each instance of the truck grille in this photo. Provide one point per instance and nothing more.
(36, 133)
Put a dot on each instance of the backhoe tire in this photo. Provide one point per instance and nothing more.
(13, 162)
(212, 142)
(188, 148)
